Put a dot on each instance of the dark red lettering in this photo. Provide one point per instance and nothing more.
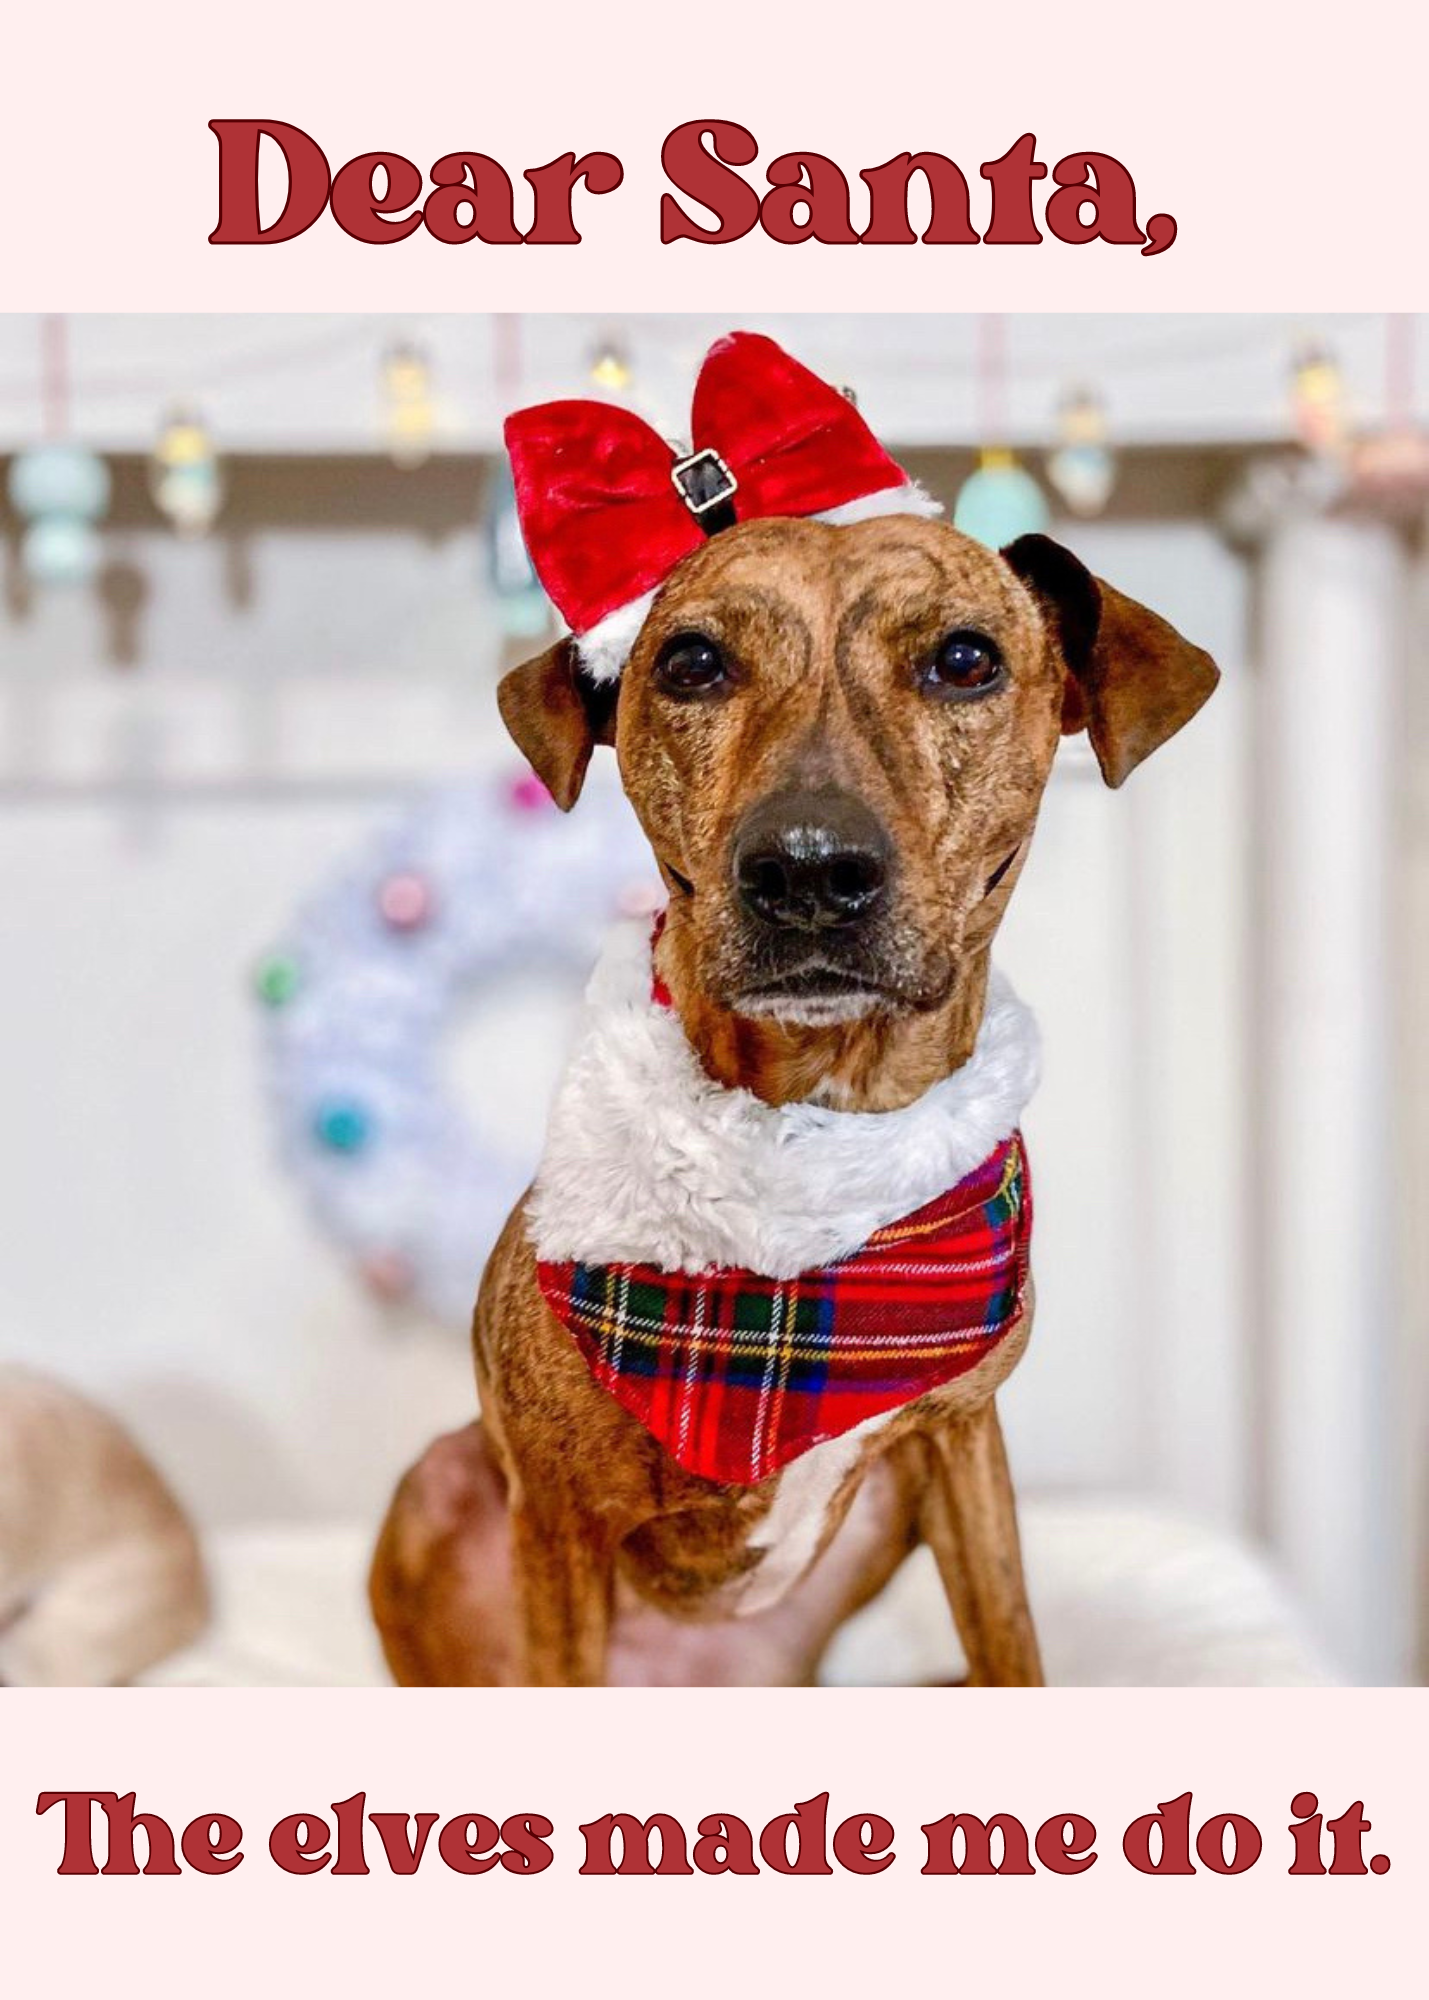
(706, 177)
(360, 211)
(238, 144)
(468, 1845)
(1245, 1849)
(1010, 179)
(1172, 1823)
(725, 1846)
(977, 1846)
(636, 1840)
(527, 1837)
(555, 183)
(1102, 184)
(210, 1844)
(951, 220)
(1064, 1844)
(864, 1853)
(299, 1844)
(811, 182)
(808, 1823)
(475, 182)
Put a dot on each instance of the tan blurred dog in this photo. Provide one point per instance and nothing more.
(836, 739)
(100, 1574)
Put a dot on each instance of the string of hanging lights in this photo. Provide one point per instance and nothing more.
(61, 488)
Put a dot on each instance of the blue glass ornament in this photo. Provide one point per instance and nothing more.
(62, 490)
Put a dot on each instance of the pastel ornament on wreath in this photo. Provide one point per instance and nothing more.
(775, 1262)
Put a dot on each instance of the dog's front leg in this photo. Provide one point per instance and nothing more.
(969, 1519)
(564, 1593)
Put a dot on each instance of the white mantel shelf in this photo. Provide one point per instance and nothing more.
(310, 384)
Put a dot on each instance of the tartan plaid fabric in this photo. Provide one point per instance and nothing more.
(737, 1374)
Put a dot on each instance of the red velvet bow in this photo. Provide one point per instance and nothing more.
(602, 516)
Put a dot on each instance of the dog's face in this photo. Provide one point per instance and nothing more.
(837, 739)
(834, 738)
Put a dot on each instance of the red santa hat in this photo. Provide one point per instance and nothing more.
(608, 508)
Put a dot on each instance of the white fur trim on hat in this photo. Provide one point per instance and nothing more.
(607, 646)
(649, 1161)
(909, 498)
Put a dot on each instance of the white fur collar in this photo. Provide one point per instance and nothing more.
(649, 1161)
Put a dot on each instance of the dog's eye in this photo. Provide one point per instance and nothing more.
(689, 663)
(965, 664)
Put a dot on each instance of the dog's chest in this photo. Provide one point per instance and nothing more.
(745, 1555)
(791, 1534)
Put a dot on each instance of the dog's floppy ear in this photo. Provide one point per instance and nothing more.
(1132, 680)
(557, 715)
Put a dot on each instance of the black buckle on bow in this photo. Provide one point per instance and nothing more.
(707, 486)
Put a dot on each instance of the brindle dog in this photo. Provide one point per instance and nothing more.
(836, 739)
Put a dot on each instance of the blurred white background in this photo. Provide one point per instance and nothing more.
(1227, 958)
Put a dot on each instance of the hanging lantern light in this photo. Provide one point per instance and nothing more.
(1318, 401)
(410, 414)
(610, 368)
(1083, 468)
(184, 477)
(62, 490)
(1000, 501)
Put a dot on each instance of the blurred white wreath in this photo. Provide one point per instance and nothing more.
(477, 882)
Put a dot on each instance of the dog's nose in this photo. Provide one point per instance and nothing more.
(811, 861)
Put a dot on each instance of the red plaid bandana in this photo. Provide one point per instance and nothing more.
(737, 1374)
